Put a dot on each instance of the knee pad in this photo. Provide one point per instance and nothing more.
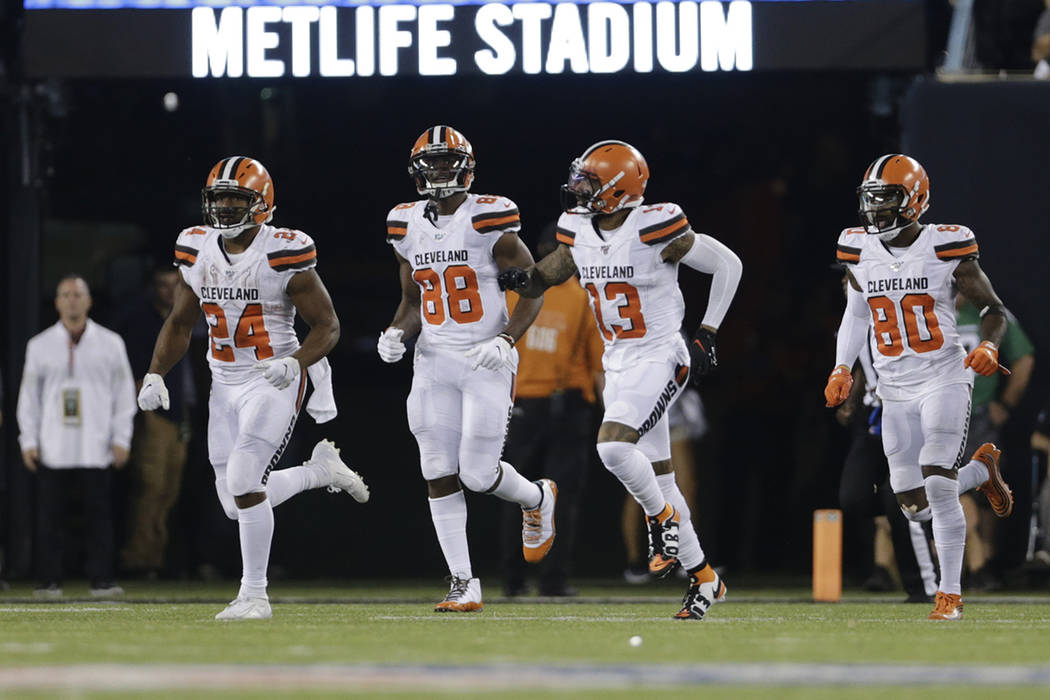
(613, 454)
(915, 515)
(244, 473)
(941, 489)
(478, 480)
(229, 506)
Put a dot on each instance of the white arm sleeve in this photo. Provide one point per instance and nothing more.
(853, 331)
(30, 398)
(710, 256)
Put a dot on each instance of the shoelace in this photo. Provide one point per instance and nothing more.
(459, 588)
(532, 526)
(656, 539)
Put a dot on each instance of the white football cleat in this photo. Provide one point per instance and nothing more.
(340, 476)
(463, 596)
(246, 609)
(537, 526)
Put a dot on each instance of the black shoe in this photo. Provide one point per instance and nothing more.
(918, 597)
(985, 580)
(559, 591)
(637, 574)
(880, 581)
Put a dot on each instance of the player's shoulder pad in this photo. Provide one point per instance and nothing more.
(189, 244)
(850, 244)
(493, 213)
(289, 249)
(565, 229)
(661, 222)
(954, 242)
(397, 219)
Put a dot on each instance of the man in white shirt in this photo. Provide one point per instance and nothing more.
(75, 412)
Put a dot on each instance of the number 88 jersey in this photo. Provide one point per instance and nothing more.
(911, 296)
(461, 303)
(243, 296)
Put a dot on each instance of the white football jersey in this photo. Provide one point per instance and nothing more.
(243, 296)
(914, 340)
(461, 303)
(634, 294)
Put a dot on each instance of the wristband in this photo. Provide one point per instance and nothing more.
(508, 337)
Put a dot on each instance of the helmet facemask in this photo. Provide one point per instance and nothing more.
(440, 171)
(231, 220)
(882, 211)
(584, 193)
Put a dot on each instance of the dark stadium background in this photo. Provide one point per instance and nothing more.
(766, 162)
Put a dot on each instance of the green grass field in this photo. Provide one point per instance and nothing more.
(384, 640)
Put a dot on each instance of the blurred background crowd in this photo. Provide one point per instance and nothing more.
(102, 173)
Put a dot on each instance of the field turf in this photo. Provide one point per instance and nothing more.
(379, 639)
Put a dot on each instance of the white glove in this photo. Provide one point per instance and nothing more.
(492, 354)
(280, 373)
(153, 394)
(390, 347)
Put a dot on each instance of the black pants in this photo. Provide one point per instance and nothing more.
(865, 492)
(548, 437)
(56, 490)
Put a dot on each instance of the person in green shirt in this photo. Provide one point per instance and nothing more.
(994, 398)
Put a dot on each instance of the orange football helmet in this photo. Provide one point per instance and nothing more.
(441, 162)
(237, 179)
(894, 193)
(609, 176)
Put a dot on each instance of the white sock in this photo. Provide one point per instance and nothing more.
(921, 547)
(516, 488)
(635, 472)
(972, 475)
(949, 529)
(256, 526)
(285, 483)
(690, 553)
(449, 514)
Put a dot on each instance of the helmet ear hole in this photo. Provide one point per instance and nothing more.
(618, 193)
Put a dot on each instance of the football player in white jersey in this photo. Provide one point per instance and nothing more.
(249, 278)
(627, 254)
(903, 278)
(450, 247)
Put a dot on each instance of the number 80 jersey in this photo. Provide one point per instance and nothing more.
(244, 297)
(911, 296)
(461, 303)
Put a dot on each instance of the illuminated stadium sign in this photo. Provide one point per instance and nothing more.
(234, 39)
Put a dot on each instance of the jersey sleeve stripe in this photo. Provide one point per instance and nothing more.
(510, 223)
(493, 215)
(845, 253)
(564, 235)
(283, 260)
(184, 255)
(950, 251)
(657, 233)
(396, 229)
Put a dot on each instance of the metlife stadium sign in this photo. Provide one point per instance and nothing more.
(349, 39)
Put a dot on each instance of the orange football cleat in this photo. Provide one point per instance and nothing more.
(537, 525)
(463, 596)
(998, 493)
(947, 606)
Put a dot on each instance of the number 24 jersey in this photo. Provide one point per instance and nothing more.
(911, 296)
(244, 297)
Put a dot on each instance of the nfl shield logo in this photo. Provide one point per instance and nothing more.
(605, 250)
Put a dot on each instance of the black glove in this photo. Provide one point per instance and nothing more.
(702, 353)
(512, 278)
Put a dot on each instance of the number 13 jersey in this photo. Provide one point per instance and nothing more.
(243, 296)
(911, 296)
(461, 303)
(634, 294)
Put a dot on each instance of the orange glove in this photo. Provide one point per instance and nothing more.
(984, 359)
(840, 381)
